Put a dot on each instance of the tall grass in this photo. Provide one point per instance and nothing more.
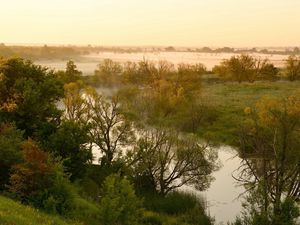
(13, 213)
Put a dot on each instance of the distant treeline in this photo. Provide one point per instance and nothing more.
(288, 51)
(75, 52)
(39, 52)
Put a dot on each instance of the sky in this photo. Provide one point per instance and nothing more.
(214, 23)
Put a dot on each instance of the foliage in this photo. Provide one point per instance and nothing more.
(269, 146)
(168, 161)
(40, 181)
(70, 142)
(292, 68)
(173, 203)
(74, 102)
(108, 72)
(33, 175)
(28, 96)
(254, 215)
(109, 129)
(188, 208)
(10, 151)
(71, 74)
(119, 204)
(164, 95)
(245, 68)
(40, 52)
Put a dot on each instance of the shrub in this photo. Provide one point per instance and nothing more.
(189, 208)
(10, 151)
(119, 204)
(173, 203)
(40, 180)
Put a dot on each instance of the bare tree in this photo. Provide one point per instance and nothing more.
(170, 161)
(109, 129)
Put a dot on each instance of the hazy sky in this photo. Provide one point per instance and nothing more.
(151, 22)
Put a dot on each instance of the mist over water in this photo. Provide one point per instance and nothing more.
(89, 62)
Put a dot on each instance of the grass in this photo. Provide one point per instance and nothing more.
(232, 94)
(229, 99)
(14, 213)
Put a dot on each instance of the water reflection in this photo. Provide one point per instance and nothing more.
(222, 197)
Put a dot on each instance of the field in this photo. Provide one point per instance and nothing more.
(230, 99)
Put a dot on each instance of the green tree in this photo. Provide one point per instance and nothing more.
(71, 143)
(10, 151)
(71, 74)
(119, 204)
(74, 102)
(28, 96)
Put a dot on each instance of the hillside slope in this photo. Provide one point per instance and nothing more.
(14, 213)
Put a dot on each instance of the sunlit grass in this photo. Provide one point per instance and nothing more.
(230, 99)
(13, 213)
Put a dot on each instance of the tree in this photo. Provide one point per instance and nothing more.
(71, 143)
(292, 67)
(169, 161)
(244, 68)
(71, 74)
(189, 77)
(164, 94)
(268, 72)
(270, 143)
(74, 102)
(119, 204)
(40, 180)
(109, 129)
(10, 151)
(28, 96)
(33, 175)
(108, 72)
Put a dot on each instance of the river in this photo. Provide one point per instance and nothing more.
(222, 197)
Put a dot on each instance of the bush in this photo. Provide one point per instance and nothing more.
(188, 208)
(197, 216)
(10, 151)
(173, 203)
(40, 180)
(119, 204)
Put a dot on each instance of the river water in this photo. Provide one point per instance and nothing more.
(223, 196)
